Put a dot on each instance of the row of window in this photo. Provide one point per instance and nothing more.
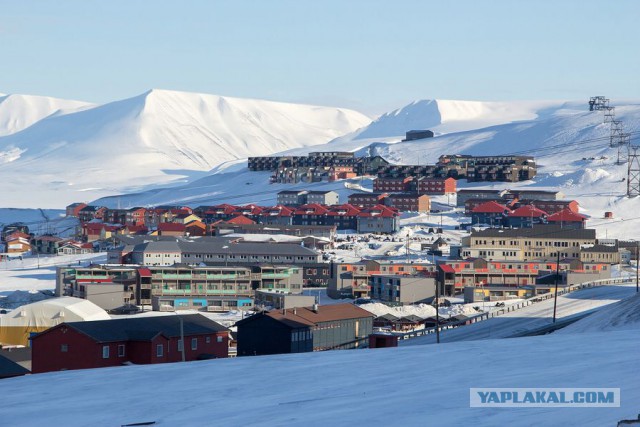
(64, 348)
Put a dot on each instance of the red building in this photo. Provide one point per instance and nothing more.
(144, 340)
(366, 200)
(436, 186)
(392, 185)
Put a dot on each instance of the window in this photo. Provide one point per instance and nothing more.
(64, 348)
(120, 350)
(207, 340)
(159, 350)
(218, 339)
(105, 351)
(194, 343)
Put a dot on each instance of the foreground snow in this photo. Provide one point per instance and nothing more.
(412, 386)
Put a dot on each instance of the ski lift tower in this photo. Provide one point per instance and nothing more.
(617, 130)
(624, 148)
(609, 114)
(633, 172)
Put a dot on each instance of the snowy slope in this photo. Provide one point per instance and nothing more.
(620, 316)
(18, 112)
(157, 137)
(407, 386)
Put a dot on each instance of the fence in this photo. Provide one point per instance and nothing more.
(514, 307)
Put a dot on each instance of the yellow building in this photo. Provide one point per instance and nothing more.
(542, 242)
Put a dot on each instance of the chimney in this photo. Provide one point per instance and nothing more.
(295, 312)
(315, 308)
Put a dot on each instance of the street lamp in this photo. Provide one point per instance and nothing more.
(555, 296)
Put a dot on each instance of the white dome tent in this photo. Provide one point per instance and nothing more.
(17, 326)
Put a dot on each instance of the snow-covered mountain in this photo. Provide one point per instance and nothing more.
(154, 138)
(18, 112)
(445, 116)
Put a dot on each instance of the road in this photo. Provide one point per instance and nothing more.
(532, 317)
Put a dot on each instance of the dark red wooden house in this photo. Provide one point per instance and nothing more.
(141, 340)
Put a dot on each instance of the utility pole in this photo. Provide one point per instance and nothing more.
(637, 265)
(437, 313)
(555, 297)
(181, 335)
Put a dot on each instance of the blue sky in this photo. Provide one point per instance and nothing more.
(370, 55)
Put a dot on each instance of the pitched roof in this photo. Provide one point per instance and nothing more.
(145, 328)
(346, 209)
(528, 211)
(311, 209)
(324, 313)
(240, 219)
(379, 211)
(9, 368)
(224, 208)
(490, 207)
(566, 215)
(278, 210)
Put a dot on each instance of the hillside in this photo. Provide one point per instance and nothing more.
(421, 385)
(158, 137)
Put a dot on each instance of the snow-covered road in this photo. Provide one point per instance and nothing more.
(532, 317)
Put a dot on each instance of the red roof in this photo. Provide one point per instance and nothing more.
(278, 210)
(379, 211)
(247, 210)
(490, 207)
(446, 268)
(98, 226)
(566, 215)
(343, 210)
(224, 208)
(144, 272)
(528, 211)
(311, 209)
(240, 219)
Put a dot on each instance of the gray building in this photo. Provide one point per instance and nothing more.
(538, 195)
(292, 197)
(378, 224)
(281, 300)
(403, 289)
(322, 197)
(412, 135)
(105, 295)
